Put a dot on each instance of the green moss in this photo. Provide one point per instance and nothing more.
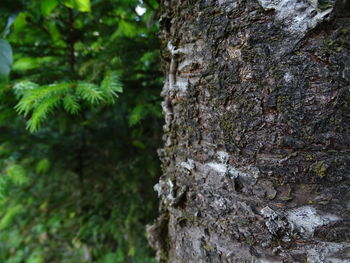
(337, 44)
(345, 30)
(170, 150)
(287, 198)
(250, 241)
(309, 157)
(338, 49)
(228, 125)
(208, 247)
(319, 168)
(163, 257)
(281, 100)
(190, 129)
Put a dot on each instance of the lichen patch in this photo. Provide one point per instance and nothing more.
(298, 16)
(306, 218)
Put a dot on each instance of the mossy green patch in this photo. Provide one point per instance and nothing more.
(319, 168)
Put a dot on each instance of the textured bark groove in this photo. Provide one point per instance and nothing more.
(256, 157)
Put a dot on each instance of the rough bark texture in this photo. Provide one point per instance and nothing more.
(257, 137)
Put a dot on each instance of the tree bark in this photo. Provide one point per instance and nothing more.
(256, 157)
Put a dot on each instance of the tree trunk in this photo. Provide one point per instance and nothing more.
(256, 158)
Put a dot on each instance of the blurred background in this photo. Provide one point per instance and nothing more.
(80, 123)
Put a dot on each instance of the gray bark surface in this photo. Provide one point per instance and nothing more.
(256, 155)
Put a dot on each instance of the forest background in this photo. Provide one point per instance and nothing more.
(80, 122)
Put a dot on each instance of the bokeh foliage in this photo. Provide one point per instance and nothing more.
(79, 128)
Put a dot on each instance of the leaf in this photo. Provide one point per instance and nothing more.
(120, 256)
(136, 115)
(35, 257)
(9, 216)
(70, 104)
(132, 251)
(55, 33)
(4, 187)
(3, 150)
(6, 59)
(40, 112)
(20, 22)
(40, 100)
(33, 94)
(139, 144)
(25, 63)
(108, 258)
(128, 29)
(43, 166)
(89, 92)
(17, 174)
(22, 87)
(47, 6)
(29, 63)
(111, 86)
(81, 5)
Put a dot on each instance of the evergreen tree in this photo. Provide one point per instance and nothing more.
(79, 128)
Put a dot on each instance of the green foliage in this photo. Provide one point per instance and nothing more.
(137, 114)
(39, 101)
(17, 174)
(47, 6)
(10, 214)
(111, 86)
(81, 5)
(43, 166)
(79, 128)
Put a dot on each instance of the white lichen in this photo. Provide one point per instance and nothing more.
(268, 213)
(166, 189)
(307, 219)
(181, 84)
(159, 188)
(222, 156)
(189, 165)
(298, 16)
(222, 167)
(178, 81)
(329, 252)
(218, 167)
(172, 48)
(288, 77)
(275, 223)
(220, 202)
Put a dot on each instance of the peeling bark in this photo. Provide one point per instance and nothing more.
(256, 157)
